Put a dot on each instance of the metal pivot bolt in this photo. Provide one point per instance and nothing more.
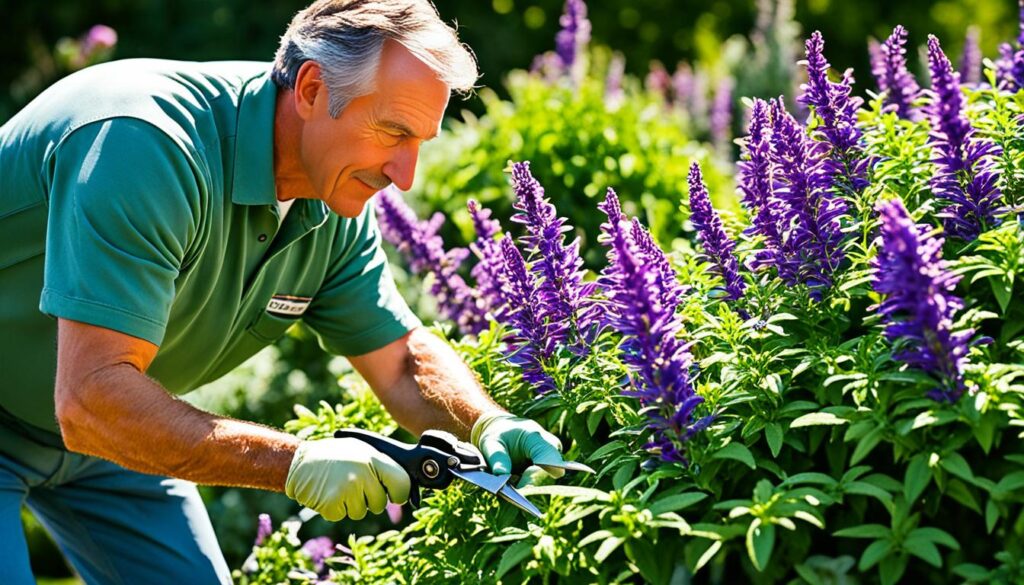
(430, 468)
(453, 461)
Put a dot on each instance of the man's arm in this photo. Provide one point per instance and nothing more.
(424, 384)
(107, 407)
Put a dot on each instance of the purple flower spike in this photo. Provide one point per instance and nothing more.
(564, 296)
(718, 248)
(572, 39)
(319, 549)
(488, 270)
(970, 59)
(660, 363)
(424, 249)
(1005, 79)
(264, 528)
(918, 307)
(967, 173)
(847, 164)
(891, 74)
(613, 93)
(530, 345)
(756, 180)
(812, 216)
(720, 119)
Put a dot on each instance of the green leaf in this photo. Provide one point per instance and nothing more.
(773, 434)
(991, 515)
(817, 418)
(864, 488)
(916, 479)
(973, 572)
(892, 568)
(936, 535)
(923, 549)
(760, 542)
(956, 464)
(606, 449)
(811, 477)
(865, 445)
(514, 556)
(1010, 482)
(708, 555)
(594, 537)
(959, 491)
(608, 547)
(579, 494)
(1002, 291)
(738, 452)
(863, 531)
(874, 552)
(676, 502)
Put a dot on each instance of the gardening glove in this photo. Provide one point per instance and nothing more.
(509, 443)
(345, 477)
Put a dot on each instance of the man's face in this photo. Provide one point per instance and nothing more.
(376, 139)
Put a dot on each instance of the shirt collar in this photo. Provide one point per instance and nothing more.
(253, 182)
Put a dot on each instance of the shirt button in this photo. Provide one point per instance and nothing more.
(262, 237)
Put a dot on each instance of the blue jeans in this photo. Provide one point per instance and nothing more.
(113, 525)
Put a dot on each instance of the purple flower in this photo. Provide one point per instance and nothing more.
(564, 297)
(966, 175)
(613, 94)
(319, 549)
(718, 248)
(660, 363)
(756, 182)
(847, 165)
(671, 291)
(720, 119)
(918, 307)
(424, 249)
(488, 270)
(99, 38)
(530, 345)
(658, 80)
(572, 39)
(394, 512)
(264, 528)
(970, 59)
(811, 214)
(1004, 68)
(891, 74)
(683, 84)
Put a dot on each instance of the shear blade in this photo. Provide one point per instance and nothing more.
(482, 479)
(498, 485)
(512, 496)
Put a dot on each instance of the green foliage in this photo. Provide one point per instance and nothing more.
(826, 461)
(578, 147)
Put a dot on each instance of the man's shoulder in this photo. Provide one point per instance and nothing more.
(184, 99)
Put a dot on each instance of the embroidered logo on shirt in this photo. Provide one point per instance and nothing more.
(288, 305)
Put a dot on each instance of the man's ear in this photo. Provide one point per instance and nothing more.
(307, 89)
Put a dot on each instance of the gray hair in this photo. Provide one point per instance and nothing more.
(345, 37)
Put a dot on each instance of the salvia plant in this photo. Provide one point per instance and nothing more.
(825, 387)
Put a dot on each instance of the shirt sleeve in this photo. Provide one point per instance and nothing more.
(124, 203)
(359, 309)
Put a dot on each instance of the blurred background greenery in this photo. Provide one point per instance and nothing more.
(723, 39)
(505, 34)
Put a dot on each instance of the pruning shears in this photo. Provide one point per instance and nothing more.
(439, 457)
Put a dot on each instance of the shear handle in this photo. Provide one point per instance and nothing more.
(427, 466)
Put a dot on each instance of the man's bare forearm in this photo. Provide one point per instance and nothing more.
(436, 390)
(129, 419)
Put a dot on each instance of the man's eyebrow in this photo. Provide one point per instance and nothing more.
(400, 127)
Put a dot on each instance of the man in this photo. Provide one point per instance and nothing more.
(160, 222)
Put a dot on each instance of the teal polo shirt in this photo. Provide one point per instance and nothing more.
(139, 196)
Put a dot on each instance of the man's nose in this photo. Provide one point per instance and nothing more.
(401, 169)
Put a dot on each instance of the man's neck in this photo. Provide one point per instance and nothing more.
(289, 175)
